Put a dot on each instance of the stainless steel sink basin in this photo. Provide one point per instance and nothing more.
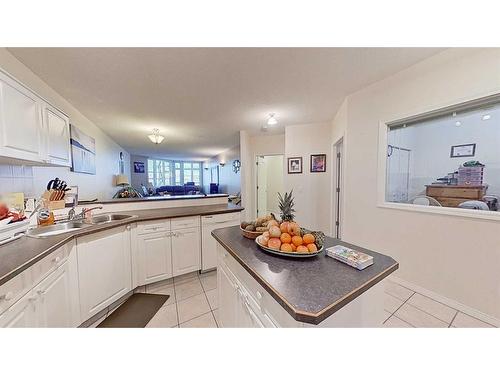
(53, 230)
(109, 218)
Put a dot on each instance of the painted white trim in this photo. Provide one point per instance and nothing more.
(448, 301)
(333, 166)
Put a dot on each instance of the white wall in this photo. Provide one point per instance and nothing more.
(312, 191)
(229, 182)
(136, 179)
(456, 257)
(100, 185)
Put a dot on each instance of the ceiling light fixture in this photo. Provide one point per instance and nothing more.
(271, 120)
(156, 138)
(486, 117)
(458, 123)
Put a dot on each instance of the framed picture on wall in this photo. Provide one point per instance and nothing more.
(295, 165)
(139, 167)
(318, 163)
(463, 151)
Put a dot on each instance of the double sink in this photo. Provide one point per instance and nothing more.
(70, 226)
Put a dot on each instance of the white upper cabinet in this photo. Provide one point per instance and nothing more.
(30, 128)
(56, 126)
(20, 122)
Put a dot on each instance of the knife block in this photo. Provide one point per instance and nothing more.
(53, 205)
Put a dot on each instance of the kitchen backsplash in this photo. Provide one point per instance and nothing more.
(16, 178)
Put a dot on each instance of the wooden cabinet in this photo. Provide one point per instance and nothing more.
(186, 251)
(155, 250)
(56, 130)
(453, 195)
(31, 129)
(104, 269)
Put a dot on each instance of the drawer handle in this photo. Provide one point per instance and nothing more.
(259, 295)
(7, 296)
(56, 260)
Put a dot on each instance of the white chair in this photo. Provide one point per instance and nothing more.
(424, 200)
(474, 205)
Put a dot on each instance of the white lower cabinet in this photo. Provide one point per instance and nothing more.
(156, 254)
(56, 298)
(104, 269)
(186, 252)
(21, 314)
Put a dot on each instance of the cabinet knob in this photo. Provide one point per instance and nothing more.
(7, 296)
(259, 295)
(56, 259)
(128, 227)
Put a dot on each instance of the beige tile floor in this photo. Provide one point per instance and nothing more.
(193, 304)
(405, 308)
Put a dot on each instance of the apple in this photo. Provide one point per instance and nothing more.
(274, 232)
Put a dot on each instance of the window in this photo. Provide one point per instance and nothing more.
(168, 172)
(448, 158)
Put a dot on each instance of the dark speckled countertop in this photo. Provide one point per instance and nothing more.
(310, 289)
(22, 253)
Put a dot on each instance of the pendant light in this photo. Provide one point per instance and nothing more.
(156, 138)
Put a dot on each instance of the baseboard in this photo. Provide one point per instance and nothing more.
(448, 301)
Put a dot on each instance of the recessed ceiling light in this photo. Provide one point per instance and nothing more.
(486, 117)
(272, 120)
(458, 123)
(156, 138)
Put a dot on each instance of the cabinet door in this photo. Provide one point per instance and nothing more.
(156, 253)
(228, 299)
(21, 314)
(20, 121)
(104, 269)
(56, 126)
(54, 305)
(186, 251)
(208, 248)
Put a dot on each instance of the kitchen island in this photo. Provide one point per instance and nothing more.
(258, 289)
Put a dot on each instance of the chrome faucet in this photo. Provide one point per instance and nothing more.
(82, 214)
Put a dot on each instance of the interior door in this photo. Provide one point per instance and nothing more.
(261, 186)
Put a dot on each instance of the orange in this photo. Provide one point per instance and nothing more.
(294, 248)
(286, 247)
(312, 247)
(297, 240)
(302, 249)
(284, 227)
(285, 238)
(309, 238)
(274, 243)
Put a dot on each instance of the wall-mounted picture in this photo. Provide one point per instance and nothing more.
(463, 151)
(139, 167)
(318, 163)
(82, 151)
(294, 165)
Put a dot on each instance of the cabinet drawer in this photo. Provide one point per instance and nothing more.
(153, 226)
(185, 222)
(221, 218)
(14, 289)
(51, 262)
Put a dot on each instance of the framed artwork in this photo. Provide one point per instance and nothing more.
(318, 163)
(82, 151)
(139, 167)
(295, 165)
(463, 151)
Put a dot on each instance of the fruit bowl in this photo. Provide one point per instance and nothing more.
(288, 254)
(250, 235)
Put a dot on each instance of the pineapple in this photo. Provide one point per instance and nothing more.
(286, 206)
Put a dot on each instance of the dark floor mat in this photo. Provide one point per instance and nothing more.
(135, 312)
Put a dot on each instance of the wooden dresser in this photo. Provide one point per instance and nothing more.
(453, 195)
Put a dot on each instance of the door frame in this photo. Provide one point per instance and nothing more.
(338, 187)
(256, 177)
